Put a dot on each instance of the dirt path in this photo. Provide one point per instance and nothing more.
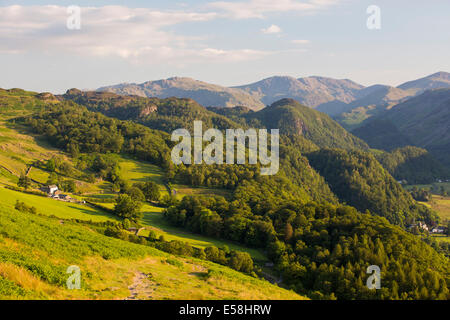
(142, 287)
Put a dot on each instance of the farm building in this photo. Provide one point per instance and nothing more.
(50, 189)
(439, 229)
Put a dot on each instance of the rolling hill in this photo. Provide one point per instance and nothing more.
(310, 91)
(319, 246)
(423, 121)
(204, 93)
(376, 99)
(379, 99)
(352, 102)
(162, 114)
(435, 81)
(294, 118)
(35, 252)
(412, 164)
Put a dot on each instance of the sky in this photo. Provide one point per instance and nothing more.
(223, 42)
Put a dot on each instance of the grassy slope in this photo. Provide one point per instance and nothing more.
(59, 209)
(18, 155)
(36, 251)
(135, 171)
(154, 219)
(18, 150)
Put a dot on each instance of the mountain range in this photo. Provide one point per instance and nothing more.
(423, 121)
(333, 200)
(348, 102)
(204, 93)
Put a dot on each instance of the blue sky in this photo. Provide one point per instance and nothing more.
(223, 42)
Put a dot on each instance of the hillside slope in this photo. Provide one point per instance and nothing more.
(381, 99)
(424, 120)
(415, 165)
(434, 81)
(36, 251)
(310, 91)
(205, 93)
(160, 114)
(358, 178)
(292, 118)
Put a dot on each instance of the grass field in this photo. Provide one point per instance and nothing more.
(48, 206)
(35, 252)
(138, 171)
(441, 238)
(17, 150)
(183, 190)
(446, 186)
(440, 204)
(154, 219)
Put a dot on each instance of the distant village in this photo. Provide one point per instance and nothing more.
(422, 226)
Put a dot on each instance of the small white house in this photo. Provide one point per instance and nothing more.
(438, 230)
(50, 189)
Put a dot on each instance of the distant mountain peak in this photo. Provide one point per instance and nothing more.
(183, 87)
(436, 80)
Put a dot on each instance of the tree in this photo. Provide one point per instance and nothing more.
(288, 232)
(241, 261)
(135, 194)
(150, 190)
(51, 165)
(24, 182)
(52, 179)
(126, 207)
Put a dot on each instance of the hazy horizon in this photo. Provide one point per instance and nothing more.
(228, 43)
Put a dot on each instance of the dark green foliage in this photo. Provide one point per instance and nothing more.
(149, 189)
(331, 250)
(292, 118)
(241, 261)
(382, 134)
(421, 194)
(23, 207)
(161, 114)
(136, 194)
(421, 121)
(67, 124)
(24, 182)
(324, 250)
(358, 179)
(127, 207)
(415, 165)
(219, 218)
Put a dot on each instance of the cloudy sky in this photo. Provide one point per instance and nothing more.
(224, 42)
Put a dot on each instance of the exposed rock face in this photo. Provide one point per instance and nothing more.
(47, 97)
(300, 126)
(148, 110)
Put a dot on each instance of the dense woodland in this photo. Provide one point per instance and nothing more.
(412, 164)
(324, 250)
(357, 178)
(327, 215)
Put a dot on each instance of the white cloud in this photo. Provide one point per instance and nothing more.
(301, 41)
(272, 29)
(136, 34)
(260, 8)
